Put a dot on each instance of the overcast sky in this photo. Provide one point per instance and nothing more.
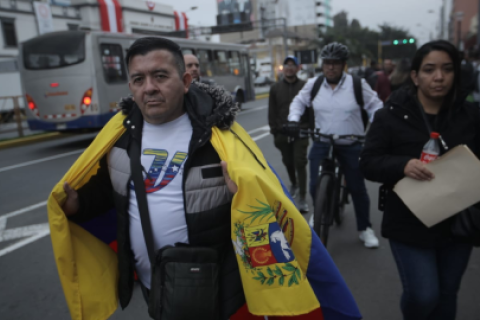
(412, 15)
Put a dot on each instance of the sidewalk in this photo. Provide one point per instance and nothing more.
(10, 130)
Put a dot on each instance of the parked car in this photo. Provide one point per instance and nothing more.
(263, 81)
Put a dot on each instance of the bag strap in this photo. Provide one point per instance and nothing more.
(357, 90)
(136, 169)
(316, 88)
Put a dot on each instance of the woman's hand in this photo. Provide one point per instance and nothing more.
(415, 169)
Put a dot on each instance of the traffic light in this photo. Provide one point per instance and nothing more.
(403, 41)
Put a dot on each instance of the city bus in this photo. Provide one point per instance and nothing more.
(73, 79)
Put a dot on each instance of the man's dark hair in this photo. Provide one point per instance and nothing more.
(145, 45)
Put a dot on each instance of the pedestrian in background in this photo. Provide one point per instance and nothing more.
(192, 66)
(380, 80)
(401, 74)
(294, 151)
(430, 261)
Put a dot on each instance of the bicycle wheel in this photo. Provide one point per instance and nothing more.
(323, 209)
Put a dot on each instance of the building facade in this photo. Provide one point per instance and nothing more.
(462, 28)
(280, 27)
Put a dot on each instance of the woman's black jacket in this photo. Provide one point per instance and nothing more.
(397, 135)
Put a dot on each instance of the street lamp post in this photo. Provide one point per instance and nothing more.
(459, 17)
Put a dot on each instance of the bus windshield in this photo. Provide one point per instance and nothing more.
(54, 50)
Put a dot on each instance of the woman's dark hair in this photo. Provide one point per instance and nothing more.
(145, 45)
(448, 48)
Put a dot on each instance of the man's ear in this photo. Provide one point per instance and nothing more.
(413, 75)
(187, 81)
(130, 87)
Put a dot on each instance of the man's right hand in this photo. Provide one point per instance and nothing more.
(71, 205)
(415, 169)
(292, 129)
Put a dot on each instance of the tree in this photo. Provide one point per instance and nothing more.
(363, 42)
(355, 24)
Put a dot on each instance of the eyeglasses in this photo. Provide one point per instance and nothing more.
(333, 62)
(289, 66)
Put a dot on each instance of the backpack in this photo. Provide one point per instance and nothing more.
(357, 89)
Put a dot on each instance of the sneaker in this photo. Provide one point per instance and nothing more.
(302, 205)
(368, 238)
(293, 190)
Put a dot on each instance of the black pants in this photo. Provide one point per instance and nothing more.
(294, 157)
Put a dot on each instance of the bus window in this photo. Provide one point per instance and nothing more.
(235, 65)
(221, 63)
(205, 59)
(112, 62)
(188, 51)
(54, 51)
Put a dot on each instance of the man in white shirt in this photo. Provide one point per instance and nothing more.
(337, 112)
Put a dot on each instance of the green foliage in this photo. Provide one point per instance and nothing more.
(260, 212)
(293, 275)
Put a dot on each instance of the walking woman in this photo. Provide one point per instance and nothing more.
(430, 261)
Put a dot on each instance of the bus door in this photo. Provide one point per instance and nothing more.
(111, 73)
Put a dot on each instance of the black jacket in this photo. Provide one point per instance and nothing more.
(281, 95)
(397, 135)
(206, 197)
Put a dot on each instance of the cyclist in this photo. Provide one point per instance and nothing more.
(294, 153)
(336, 111)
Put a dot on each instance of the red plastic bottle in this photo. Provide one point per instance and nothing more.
(431, 150)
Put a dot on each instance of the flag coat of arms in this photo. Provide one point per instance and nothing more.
(285, 269)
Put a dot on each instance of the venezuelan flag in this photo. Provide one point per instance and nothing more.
(287, 273)
(285, 269)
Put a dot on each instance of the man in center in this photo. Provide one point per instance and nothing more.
(294, 151)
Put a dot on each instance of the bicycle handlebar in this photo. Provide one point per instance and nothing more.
(303, 133)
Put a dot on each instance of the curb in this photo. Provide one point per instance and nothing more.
(15, 142)
(262, 96)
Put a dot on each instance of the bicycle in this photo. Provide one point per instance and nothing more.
(331, 194)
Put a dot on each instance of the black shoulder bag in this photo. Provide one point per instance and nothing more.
(466, 223)
(185, 279)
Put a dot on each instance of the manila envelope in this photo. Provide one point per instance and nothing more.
(456, 186)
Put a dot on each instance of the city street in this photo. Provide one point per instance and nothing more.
(30, 287)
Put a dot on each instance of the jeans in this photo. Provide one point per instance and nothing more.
(348, 156)
(430, 279)
(294, 157)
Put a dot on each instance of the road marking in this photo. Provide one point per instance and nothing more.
(261, 136)
(28, 163)
(23, 210)
(24, 242)
(38, 231)
(31, 233)
(264, 128)
(252, 110)
(22, 232)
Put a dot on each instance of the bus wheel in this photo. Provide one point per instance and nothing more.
(239, 98)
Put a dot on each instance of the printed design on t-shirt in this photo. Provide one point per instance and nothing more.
(158, 166)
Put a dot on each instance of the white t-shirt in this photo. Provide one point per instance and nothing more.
(164, 152)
